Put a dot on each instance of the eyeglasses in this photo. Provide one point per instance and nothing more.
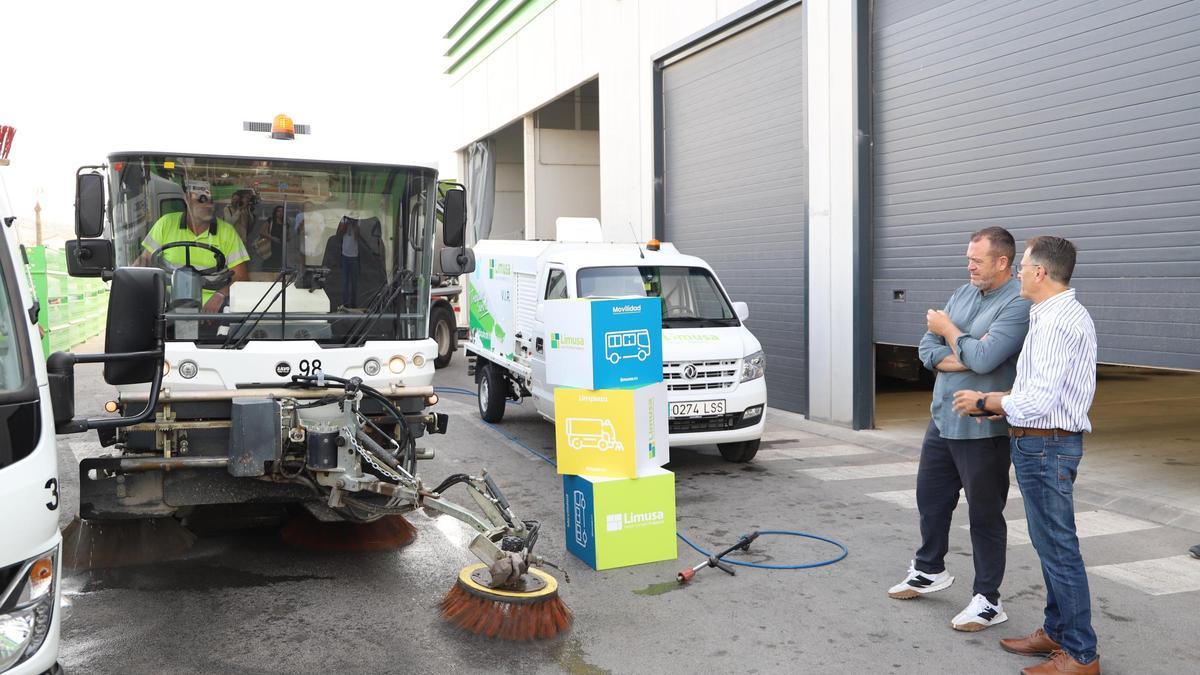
(1017, 267)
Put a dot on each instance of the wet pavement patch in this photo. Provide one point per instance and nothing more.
(659, 589)
(185, 578)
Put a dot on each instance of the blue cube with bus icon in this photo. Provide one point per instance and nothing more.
(604, 344)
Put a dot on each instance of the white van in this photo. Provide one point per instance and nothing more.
(713, 365)
(30, 564)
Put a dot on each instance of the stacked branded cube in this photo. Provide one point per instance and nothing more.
(604, 358)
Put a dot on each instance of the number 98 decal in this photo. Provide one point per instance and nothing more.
(309, 367)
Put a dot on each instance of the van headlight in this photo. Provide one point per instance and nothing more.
(754, 366)
(30, 605)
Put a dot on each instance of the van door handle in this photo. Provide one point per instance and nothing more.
(538, 345)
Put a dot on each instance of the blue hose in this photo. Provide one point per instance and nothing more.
(789, 533)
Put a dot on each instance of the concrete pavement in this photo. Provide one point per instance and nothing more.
(244, 603)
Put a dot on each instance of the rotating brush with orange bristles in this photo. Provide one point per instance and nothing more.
(532, 610)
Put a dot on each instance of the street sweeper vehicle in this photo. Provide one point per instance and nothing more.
(30, 563)
(262, 360)
(713, 366)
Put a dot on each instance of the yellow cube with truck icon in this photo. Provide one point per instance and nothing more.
(611, 433)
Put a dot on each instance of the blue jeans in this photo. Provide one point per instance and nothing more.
(1046, 467)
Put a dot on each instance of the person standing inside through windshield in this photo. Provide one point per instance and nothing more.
(198, 223)
(272, 232)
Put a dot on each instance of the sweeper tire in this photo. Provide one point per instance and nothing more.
(743, 451)
(493, 388)
(443, 330)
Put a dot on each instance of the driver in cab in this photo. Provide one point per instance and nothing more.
(199, 224)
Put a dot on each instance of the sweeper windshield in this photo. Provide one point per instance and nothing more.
(279, 249)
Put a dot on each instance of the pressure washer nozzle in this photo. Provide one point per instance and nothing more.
(743, 544)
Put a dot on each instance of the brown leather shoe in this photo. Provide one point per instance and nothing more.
(1036, 644)
(1061, 662)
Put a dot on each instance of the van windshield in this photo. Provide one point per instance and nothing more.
(690, 296)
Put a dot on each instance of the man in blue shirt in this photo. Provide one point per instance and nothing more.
(972, 344)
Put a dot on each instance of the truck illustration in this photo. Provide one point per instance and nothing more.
(584, 432)
(626, 344)
(581, 536)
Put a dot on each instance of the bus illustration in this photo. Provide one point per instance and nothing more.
(584, 432)
(581, 536)
(627, 344)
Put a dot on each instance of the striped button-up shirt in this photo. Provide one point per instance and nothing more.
(1056, 373)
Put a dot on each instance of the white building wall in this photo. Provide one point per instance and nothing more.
(831, 203)
(573, 41)
(569, 43)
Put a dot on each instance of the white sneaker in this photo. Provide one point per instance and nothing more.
(979, 615)
(919, 583)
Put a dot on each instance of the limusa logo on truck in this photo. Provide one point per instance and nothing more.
(560, 341)
(501, 269)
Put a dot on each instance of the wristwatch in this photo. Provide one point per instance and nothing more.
(981, 403)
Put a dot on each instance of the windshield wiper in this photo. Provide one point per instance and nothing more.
(237, 339)
(357, 335)
(700, 322)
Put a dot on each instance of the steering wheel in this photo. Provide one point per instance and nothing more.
(158, 259)
(677, 311)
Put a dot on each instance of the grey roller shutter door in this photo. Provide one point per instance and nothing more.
(1068, 117)
(735, 185)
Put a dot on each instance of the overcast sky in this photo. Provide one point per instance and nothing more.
(83, 79)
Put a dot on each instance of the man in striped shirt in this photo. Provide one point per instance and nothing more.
(1047, 416)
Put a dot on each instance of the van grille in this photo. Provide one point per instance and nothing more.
(709, 375)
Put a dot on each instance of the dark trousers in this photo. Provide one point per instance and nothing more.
(980, 467)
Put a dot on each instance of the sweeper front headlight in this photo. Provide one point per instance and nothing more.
(397, 364)
(30, 604)
(754, 366)
(371, 367)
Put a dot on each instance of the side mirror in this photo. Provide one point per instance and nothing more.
(89, 205)
(133, 351)
(135, 306)
(90, 257)
(454, 218)
(456, 261)
(742, 310)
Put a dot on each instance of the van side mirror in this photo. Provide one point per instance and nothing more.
(90, 257)
(454, 218)
(742, 310)
(456, 261)
(89, 204)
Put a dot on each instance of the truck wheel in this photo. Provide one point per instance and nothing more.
(443, 330)
(739, 452)
(493, 388)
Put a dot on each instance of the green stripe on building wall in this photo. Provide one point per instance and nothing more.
(515, 14)
(468, 16)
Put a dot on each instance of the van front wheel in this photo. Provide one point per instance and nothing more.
(739, 452)
(493, 388)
